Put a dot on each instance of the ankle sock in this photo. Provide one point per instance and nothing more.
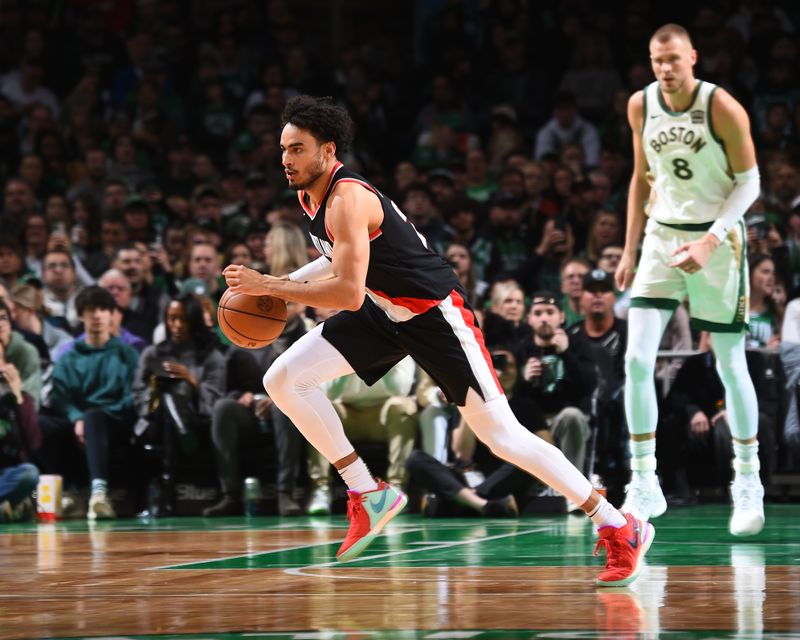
(99, 485)
(357, 477)
(643, 458)
(606, 514)
(745, 457)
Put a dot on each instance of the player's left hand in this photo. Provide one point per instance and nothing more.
(244, 280)
(692, 256)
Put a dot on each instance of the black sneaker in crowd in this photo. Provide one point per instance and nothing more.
(505, 507)
(287, 506)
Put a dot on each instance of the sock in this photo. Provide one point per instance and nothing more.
(357, 477)
(745, 457)
(606, 514)
(99, 485)
(643, 458)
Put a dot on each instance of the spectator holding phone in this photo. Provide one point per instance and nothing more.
(557, 374)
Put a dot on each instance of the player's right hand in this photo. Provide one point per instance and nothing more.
(624, 273)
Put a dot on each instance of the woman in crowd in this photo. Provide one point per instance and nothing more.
(176, 385)
(460, 258)
(284, 245)
(605, 230)
(504, 322)
(765, 315)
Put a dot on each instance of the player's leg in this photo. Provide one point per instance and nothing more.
(293, 382)
(657, 291)
(460, 364)
(643, 496)
(741, 405)
(718, 300)
(625, 537)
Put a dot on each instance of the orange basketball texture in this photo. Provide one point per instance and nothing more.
(251, 322)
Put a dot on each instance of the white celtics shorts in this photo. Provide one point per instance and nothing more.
(718, 293)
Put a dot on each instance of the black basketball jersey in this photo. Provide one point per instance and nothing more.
(404, 277)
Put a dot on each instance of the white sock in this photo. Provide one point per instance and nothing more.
(99, 485)
(606, 514)
(745, 457)
(357, 477)
(643, 458)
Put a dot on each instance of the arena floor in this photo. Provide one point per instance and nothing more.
(442, 579)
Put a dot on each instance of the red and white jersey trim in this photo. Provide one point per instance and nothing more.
(401, 309)
(470, 336)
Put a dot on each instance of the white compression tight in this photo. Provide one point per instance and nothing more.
(293, 384)
(645, 328)
(740, 395)
(496, 426)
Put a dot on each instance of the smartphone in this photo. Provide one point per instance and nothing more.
(499, 361)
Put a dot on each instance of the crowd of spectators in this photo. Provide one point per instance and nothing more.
(139, 154)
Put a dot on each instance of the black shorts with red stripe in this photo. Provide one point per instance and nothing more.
(445, 341)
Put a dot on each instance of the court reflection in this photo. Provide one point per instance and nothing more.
(749, 588)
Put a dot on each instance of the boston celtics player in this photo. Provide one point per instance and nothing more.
(694, 177)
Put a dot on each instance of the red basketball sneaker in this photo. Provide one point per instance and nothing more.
(369, 512)
(625, 549)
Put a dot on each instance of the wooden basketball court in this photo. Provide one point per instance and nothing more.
(441, 578)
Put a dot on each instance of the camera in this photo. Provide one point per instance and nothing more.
(499, 361)
(760, 224)
(560, 223)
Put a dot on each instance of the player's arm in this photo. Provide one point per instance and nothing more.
(732, 125)
(350, 213)
(638, 193)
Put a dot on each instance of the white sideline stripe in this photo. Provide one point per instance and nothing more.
(472, 350)
(299, 571)
(259, 553)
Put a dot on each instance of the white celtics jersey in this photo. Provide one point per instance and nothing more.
(688, 169)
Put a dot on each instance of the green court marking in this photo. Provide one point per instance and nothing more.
(685, 536)
(692, 536)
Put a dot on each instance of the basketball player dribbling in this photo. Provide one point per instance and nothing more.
(695, 166)
(398, 297)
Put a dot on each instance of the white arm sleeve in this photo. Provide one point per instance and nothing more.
(745, 192)
(320, 269)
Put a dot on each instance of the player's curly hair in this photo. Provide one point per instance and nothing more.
(326, 121)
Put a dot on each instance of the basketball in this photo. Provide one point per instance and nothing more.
(251, 322)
